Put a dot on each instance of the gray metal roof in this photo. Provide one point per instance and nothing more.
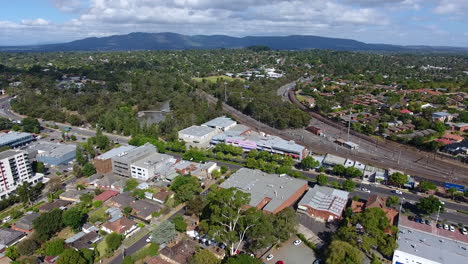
(12, 136)
(52, 149)
(9, 153)
(197, 131)
(136, 153)
(262, 185)
(441, 114)
(9, 236)
(325, 199)
(334, 160)
(114, 152)
(26, 222)
(152, 160)
(431, 247)
(220, 122)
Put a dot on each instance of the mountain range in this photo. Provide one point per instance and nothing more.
(174, 41)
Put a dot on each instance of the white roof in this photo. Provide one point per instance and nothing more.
(325, 199)
(197, 131)
(220, 122)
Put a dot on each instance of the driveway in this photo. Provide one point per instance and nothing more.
(291, 254)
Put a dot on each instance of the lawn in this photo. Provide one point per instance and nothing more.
(214, 79)
(102, 248)
(65, 233)
(98, 215)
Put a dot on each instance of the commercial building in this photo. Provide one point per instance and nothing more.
(122, 162)
(144, 169)
(423, 244)
(221, 123)
(332, 160)
(15, 139)
(15, 169)
(197, 136)
(103, 162)
(52, 153)
(268, 192)
(323, 203)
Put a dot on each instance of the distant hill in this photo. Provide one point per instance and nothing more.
(173, 41)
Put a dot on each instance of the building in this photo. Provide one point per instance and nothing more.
(197, 136)
(103, 162)
(162, 196)
(52, 153)
(144, 209)
(442, 117)
(57, 204)
(120, 201)
(15, 139)
(221, 123)
(429, 245)
(122, 226)
(180, 253)
(376, 201)
(460, 127)
(323, 203)
(25, 223)
(72, 195)
(15, 169)
(109, 182)
(268, 192)
(145, 168)
(9, 237)
(106, 195)
(121, 163)
(332, 160)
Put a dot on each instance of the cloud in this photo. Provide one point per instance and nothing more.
(35, 22)
(457, 7)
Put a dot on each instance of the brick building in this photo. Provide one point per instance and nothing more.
(323, 203)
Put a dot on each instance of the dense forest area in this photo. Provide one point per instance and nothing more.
(110, 88)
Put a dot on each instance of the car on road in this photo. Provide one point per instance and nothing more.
(452, 228)
(446, 227)
(365, 190)
(464, 231)
(297, 242)
(269, 257)
(149, 239)
(397, 192)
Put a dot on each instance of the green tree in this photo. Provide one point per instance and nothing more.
(71, 256)
(285, 223)
(392, 201)
(194, 206)
(352, 172)
(27, 247)
(179, 223)
(127, 210)
(348, 185)
(12, 252)
(429, 205)
(204, 256)
(322, 179)
(243, 259)
(88, 169)
(54, 247)
(309, 163)
(427, 185)
(130, 185)
(80, 156)
(74, 218)
(87, 254)
(113, 241)
(195, 155)
(185, 188)
(341, 252)
(31, 125)
(339, 169)
(398, 178)
(452, 191)
(164, 233)
(48, 224)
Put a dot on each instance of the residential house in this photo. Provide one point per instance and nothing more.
(57, 204)
(122, 226)
(442, 117)
(110, 182)
(121, 200)
(25, 223)
(462, 127)
(323, 203)
(144, 209)
(72, 195)
(9, 237)
(180, 253)
(162, 196)
(106, 195)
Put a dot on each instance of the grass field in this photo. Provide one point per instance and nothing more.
(214, 79)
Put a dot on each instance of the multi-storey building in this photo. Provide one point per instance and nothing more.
(15, 169)
(122, 162)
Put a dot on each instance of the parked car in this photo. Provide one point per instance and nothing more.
(464, 231)
(439, 225)
(269, 257)
(411, 218)
(428, 222)
(365, 190)
(397, 192)
(279, 262)
(446, 227)
(149, 239)
(452, 228)
(297, 242)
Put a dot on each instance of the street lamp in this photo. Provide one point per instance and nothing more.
(401, 204)
(438, 211)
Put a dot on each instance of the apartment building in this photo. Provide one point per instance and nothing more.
(15, 169)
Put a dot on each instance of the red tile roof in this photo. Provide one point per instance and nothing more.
(106, 195)
(120, 226)
(453, 137)
(405, 111)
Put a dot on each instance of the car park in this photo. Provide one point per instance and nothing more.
(297, 242)
(269, 257)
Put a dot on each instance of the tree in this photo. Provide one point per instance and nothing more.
(195, 155)
(185, 188)
(339, 169)
(113, 241)
(429, 205)
(398, 178)
(322, 179)
(127, 210)
(130, 184)
(179, 223)
(392, 201)
(74, 218)
(194, 206)
(348, 185)
(12, 252)
(31, 125)
(352, 172)
(87, 199)
(452, 191)
(427, 185)
(71, 256)
(340, 252)
(48, 224)
(205, 256)
(27, 247)
(88, 169)
(284, 223)
(309, 163)
(54, 247)
(80, 156)
(225, 218)
(243, 259)
(87, 254)
(128, 260)
(164, 233)
(27, 193)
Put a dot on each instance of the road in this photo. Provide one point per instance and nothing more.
(84, 132)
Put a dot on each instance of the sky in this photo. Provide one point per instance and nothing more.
(403, 22)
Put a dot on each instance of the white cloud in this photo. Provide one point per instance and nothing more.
(457, 7)
(35, 22)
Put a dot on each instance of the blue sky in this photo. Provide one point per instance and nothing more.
(407, 22)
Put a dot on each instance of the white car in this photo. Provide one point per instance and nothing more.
(297, 242)
(149, 239)
(464, 231)
(452, 229)
(446, 227)
(269, 257)
(397, 192)
(365, 190)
